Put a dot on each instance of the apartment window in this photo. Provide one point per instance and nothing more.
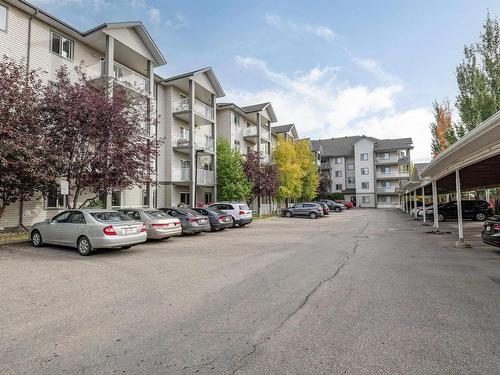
(145, 198)
(237, 119)
(351, 180)
(338, 173)
(384, 156)
(116, 198)
(237, 145)
(364, 171)
(402, 153)
(365, 199)
(386, 184)
(3, 18)
(385, 170)
(248, 124)
(54, 200)
(61, 46)
(350, 167)
(185, 198)
(338, 186)
(364, 156)
(338, 160)
(208, 198)
(387, 199)
(249, 149)
(365, 185)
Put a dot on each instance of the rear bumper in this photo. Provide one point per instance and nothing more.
(197, 229)
(159, 234)
(217, 226)
(246, 220)
(491, 240)
(118, 241)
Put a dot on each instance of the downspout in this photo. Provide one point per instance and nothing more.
(156, 140)
(28, 55)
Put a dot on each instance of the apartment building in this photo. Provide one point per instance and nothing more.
(247, 128)
(188, 125)
(121, 52)
(367, 170)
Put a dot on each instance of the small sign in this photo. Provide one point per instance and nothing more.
(64, 187)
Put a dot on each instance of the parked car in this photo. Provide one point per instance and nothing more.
(89, 229)
(308, 209)
(192, 222)
(491, 231)
(325, 208)
(242, 215)
(478, 210)
(347, 204)
(159, 225)
(333, 206)
(420, 210)
(218, 219)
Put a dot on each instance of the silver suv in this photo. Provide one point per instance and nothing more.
(309, 209)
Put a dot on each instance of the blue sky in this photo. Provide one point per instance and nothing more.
(334, 68)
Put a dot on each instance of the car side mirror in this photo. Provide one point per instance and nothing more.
(47, 221)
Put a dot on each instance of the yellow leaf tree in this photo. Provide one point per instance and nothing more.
(307, 162)
(289, 171)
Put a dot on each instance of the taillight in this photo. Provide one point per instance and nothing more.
(143, 228)
(177, 223)
(490, 205)
(221, 219)
(159, 225)
(496, 227)
(191, 219)
(109, 231)
(242, 212)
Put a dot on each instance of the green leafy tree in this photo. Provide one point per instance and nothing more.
(232, 183)
(478, 78)
(289, 171)
(307, 162)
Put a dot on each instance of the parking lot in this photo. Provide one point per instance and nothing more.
(363, 291)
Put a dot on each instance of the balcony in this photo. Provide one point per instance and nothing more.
(204, 177)
(325, 165)
(127, 77)
(266, 159)
(205, 143)
(392, 159)
(382, 189)
(201, 109)
(180, 174)
(382, 176)
(180, 142)
(250, 133)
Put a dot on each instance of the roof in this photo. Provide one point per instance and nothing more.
(210, 74)
(285, 129)
(420, 166)
(251, 108)
(344, 146)
(137, 25)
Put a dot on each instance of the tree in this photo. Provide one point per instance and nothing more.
(289, 170)
(307, 162)
(264, 177)
(478, 78)
(26, 163)
(442, 128)
(103, 142)
(324, 187)
(232, 184)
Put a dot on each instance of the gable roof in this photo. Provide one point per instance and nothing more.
(393, 144)
(211, 77)
(344, 146)
(285, 129)
(260, 107)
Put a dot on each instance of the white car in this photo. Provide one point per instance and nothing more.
(241, 213)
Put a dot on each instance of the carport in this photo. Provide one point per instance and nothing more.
(472, 163)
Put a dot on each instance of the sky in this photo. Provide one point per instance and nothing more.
(332, 67)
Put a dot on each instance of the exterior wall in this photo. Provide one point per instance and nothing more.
(364, 146)
(350, 173)
(338, 168)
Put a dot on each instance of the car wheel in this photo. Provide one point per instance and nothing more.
(480, 216)
(242, 225)
(36, 239)
(441, 217)
(84, 246)
(337, 209)
(126, 247)
(313, 215)
(288, 214)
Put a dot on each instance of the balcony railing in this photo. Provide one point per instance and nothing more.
(387, 205)
(180, 140)
(382, 189)
(180, 174)
(251, 131)
(204, 142)
(205, 177)
(393, 175)
(200, 108)
(122, 74)
(264, 133)
(325, 165)
(391, 159)
(266, 159)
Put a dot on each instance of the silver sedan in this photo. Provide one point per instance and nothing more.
(89, 229)
(159, 225)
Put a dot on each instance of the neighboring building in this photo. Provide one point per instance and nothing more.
(188, 124)
(367, 170)
(288, 131)
(122, 52)
(247, 128)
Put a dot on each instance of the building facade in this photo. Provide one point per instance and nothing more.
(366, 170)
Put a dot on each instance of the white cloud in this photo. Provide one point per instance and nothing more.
(154, 15)
(178, 22)
(320, 31)
(374, 68)
(322, 109)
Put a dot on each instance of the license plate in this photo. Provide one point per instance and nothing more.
(488, 228)
(129, 230)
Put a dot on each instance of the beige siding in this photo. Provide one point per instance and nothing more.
(130, 38)
(14, 41)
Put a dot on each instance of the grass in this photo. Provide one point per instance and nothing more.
(6, 238)
(256, 217)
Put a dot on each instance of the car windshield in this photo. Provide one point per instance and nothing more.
(244, 207)
(157, 214)
(113, 216)
(216, 211)
(189, 212)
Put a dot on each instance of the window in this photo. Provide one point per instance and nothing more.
(249, 149)
(351, 180)
(145, 198)
(386, 184)
(237, 145)
(61, 46)
(237, 119)
(388, 199)
(385, 170)
(338, 173)
(3, 17)
(350, 167)
(208, 197)
(384, 156)
(338, 186)
(365, 185)
(365, 199)
(134, 215)
(62, 217)
(338, 160)
(185, 198)
(364, 171)
(116, 198)
(77, 218)
(364, 156)
(54, 200)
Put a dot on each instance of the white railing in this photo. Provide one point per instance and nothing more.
(205, 177)
(204, 142)
(265, 159)
(180, 174)
(382, 189)
(392, 159)
(200, 108)
(122, 74)
(325, 165)
(264, 133)
(180, 140)
(250, 131)
(393, 175)
(388, 205)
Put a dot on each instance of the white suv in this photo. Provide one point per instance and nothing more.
(242, 215)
